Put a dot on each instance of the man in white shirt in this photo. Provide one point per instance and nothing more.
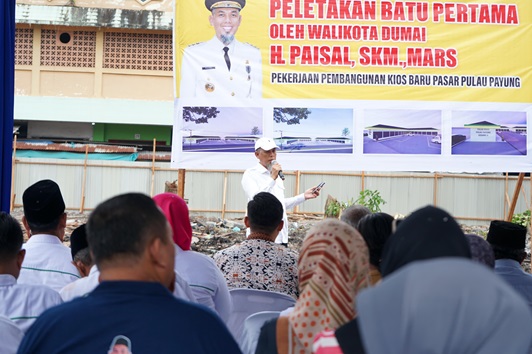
(21, 303)
(266, 176)
(48, 261)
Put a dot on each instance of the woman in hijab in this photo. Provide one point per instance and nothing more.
(429, 232)
(205, 279)
(375, 228)
(444, 305)
(333, 266)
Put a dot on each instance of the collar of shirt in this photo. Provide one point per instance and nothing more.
(507, 263)
(220, 45)
(43, 238)
(261, 169)
(7, 280)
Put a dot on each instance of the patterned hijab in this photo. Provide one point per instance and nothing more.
(481, 250)
(176, 211)
(333, 266)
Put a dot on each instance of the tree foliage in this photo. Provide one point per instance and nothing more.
(199, 115)
(290, 115)
(345, 132)
(255, 131)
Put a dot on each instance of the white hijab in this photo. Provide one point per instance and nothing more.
(446, 305)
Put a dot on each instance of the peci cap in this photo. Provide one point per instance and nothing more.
(507, 234)
(78, 240)
(265, 144)
(43, 202)
(232, 4)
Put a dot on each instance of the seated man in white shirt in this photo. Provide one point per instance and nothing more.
(48, 261)
(21, 303)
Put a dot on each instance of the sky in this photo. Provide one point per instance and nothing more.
(320, 122)
(230, 121)
(459, 118)
(404, 118)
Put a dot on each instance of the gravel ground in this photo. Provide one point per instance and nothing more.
(213, 234)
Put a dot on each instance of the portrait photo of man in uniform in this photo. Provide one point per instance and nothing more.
(222, 67)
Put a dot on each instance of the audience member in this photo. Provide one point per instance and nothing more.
(353, 214)
(481, 250)
(131, 243)
(508, 242)
(11, 336)
(333, 267)
(79, 248)
(199, 271)
(444, 305)
(375, 229)
(258, 262)
(429, 232)
(48, 261)
(21, 303)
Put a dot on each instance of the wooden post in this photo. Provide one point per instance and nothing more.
(153, 167)
(12, 202)
(362, 181)
(298, 182)
(82, 206)
(181, 182)
(515, 196)
(507, 201)
(224, 196)
(435, 190)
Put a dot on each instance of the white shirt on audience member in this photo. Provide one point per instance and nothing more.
(205, 280)
(47, 262)
(23, 303)
(11, 336)
(84, 286)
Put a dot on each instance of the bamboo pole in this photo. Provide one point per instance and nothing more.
(82, 206)
(435, 190)
(181, 182)
(298, 182)
(153, 167)
(224, 196)
(515, 196)
(13, 165)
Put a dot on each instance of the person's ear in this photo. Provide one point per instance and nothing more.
(246, 221)
(20, 258)
(280, 226)
(26, 226)
(257, 153)
(210, 20)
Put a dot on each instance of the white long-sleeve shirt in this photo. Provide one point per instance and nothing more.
(257, 179)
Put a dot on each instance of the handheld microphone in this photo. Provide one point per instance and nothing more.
(280, 174)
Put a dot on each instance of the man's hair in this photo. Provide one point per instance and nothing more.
(265, 213)
(123, 226)
(353, 214)
(42, 228)
(84, 256)
(509, 253)
(10, 237)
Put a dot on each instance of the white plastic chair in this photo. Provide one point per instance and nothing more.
(249, 301)
(251, 331)
(11, 336)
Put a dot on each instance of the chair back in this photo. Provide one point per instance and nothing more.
(251, 331)
(249, 301)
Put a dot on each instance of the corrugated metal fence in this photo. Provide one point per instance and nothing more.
(474, 199)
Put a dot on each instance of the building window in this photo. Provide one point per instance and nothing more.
(23, 46)
(76, 51)
(138, 51)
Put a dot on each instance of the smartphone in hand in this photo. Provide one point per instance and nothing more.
(318, 187)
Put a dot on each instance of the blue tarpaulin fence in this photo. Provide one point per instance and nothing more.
(7, 89)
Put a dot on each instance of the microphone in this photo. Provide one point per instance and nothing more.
(280, 174)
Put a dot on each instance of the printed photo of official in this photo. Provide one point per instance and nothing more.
(222, 67)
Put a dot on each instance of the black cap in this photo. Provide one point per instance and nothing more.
(43, 202)
(507, 234)
(78, 240)
(232, 4)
